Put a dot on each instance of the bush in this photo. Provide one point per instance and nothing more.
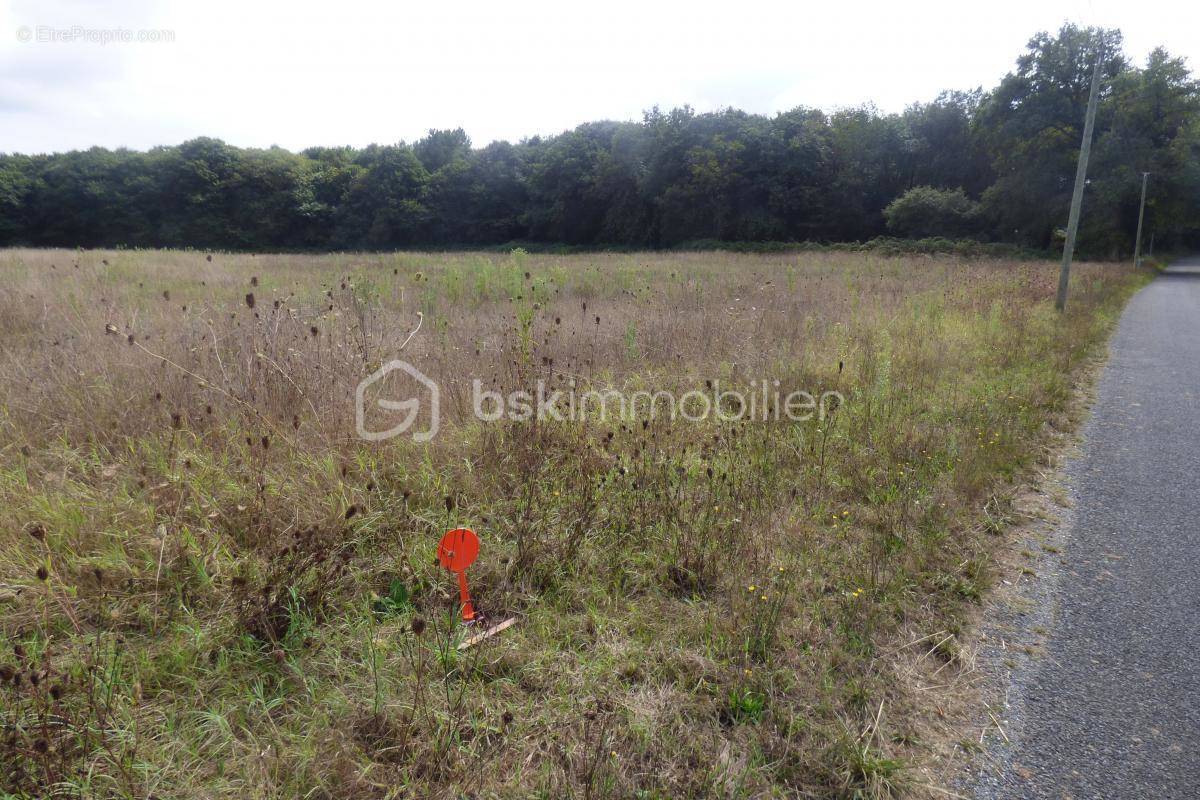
(924, 212)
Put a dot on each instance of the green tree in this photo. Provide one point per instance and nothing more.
(1033, 124)
(925, 211)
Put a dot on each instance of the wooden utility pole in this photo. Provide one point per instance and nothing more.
(1137, 246)
(1085, 150)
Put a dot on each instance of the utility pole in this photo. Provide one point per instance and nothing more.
(1085, 150)
(1137, 245)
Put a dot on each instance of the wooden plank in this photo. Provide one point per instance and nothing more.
(489, 633)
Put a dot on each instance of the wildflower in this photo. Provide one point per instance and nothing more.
(43, 573)
(418, 625)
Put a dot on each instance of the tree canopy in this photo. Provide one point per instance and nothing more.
(996, 165)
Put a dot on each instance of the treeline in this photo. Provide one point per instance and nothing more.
(993, 166)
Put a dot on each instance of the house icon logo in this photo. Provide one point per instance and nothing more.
(410, 408)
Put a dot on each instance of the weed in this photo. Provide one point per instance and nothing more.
(209, 586)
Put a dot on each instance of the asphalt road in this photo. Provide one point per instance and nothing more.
(1112, 708)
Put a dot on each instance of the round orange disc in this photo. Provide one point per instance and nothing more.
(458, 549)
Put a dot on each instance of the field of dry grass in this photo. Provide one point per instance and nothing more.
(211, 587)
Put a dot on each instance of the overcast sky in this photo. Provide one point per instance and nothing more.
(257, 73)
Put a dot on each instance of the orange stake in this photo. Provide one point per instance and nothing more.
(464, 596)
(458, 550)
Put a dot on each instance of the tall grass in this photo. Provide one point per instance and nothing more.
(209, 586)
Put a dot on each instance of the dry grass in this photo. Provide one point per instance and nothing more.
(214, 582)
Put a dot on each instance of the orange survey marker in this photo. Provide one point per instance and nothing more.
(458, 550)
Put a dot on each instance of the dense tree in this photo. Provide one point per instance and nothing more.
(996, 165)
(1033, 125)
(384, 205)
(945, 149)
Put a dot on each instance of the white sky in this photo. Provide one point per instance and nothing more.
(258, 72)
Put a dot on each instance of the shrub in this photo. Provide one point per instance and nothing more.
(924, 211)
